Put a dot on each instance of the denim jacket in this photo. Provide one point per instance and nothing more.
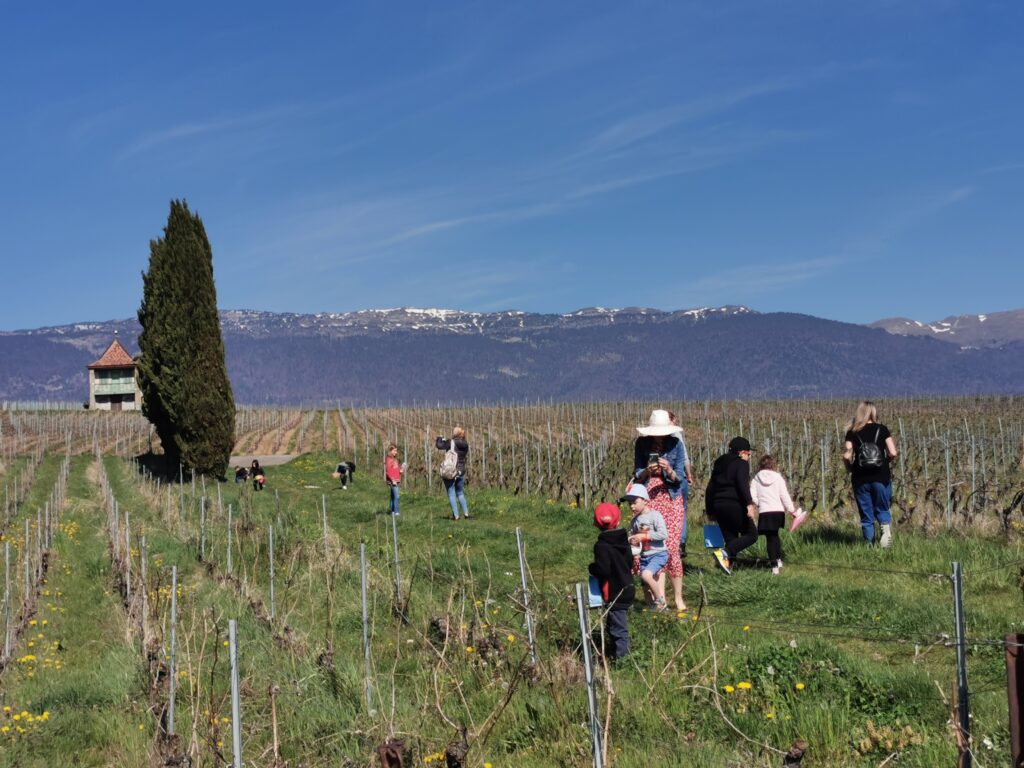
(674, 454)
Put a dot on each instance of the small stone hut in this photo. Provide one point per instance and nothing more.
(113, 384)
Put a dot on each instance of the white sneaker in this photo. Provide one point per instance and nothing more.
(886, 540)
(777, 570)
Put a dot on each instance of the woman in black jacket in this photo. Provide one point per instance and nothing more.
(728, 502)
(456, 486)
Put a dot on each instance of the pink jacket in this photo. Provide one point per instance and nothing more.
(769, 492)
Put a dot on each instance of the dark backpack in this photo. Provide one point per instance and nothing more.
(870, 455)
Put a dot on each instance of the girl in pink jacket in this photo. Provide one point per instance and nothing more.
(768, 491)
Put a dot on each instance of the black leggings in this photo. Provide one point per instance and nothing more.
(738, 530)
(774, 543)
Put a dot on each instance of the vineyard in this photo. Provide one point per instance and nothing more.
(960, 461)
(135, 607)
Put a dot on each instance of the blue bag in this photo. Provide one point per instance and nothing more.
(713, 538)
(594, 593)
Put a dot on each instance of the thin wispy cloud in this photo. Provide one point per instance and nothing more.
(756, 280)
(233, 125)
(1004, 168)
(639, 127)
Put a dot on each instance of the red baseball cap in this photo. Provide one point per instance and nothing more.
(607, 515)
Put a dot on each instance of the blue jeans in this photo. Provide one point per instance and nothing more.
(617, 624)
(394, 500)
(457, 493)
(873, 501)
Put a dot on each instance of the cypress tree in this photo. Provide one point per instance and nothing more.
(185, 389)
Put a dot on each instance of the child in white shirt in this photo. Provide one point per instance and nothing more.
(768, 491)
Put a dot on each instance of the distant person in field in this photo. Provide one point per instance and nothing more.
(661, 464)
(612, 567)
(344, 472)
(867, 451)
(456, 486)
(241, 474)
(393, 477)
(648, 532)
(729, 503)
(770, 494)
(259, 477)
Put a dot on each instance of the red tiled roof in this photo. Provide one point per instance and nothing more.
(116, 356)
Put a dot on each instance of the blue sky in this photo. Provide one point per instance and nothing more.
(851, 161)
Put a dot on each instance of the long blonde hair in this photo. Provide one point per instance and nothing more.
(459, 432)
(866, 414)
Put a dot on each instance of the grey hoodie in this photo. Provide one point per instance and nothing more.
(650, 520)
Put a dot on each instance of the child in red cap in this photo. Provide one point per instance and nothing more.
(613, 562)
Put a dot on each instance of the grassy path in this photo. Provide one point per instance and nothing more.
(77, 687)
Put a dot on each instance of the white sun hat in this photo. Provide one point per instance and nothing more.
(659, 425)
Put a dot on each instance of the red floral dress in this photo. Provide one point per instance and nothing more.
(674, 512)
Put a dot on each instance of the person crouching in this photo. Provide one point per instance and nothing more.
(612, 567)
(648, 531)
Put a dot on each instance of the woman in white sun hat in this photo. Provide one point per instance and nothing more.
(661, 464)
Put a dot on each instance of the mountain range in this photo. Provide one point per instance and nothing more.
(443, 355)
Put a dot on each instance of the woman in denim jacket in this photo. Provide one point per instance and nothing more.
(661, 463)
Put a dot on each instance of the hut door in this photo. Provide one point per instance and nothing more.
(115, 403)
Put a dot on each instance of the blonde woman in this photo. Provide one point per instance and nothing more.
(457, 485)
(867, 451)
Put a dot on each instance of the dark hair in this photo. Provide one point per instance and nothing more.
(767, 462)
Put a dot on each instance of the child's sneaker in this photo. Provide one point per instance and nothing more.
(776, 570)
(799, 518)
(723, 561)
(660, 606)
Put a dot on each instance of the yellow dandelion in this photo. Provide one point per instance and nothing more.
(800, 686)
(511, 638)
(728, 688)
(744, 686)
(469, 649)
(769, 715)
(142, 726)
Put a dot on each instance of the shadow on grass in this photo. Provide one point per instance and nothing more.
(830, 534)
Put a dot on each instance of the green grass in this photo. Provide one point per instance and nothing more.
(839, 650)
(85, 691)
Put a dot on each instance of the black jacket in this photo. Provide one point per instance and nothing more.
(461, 448)
(729, 483)
(613, 561)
